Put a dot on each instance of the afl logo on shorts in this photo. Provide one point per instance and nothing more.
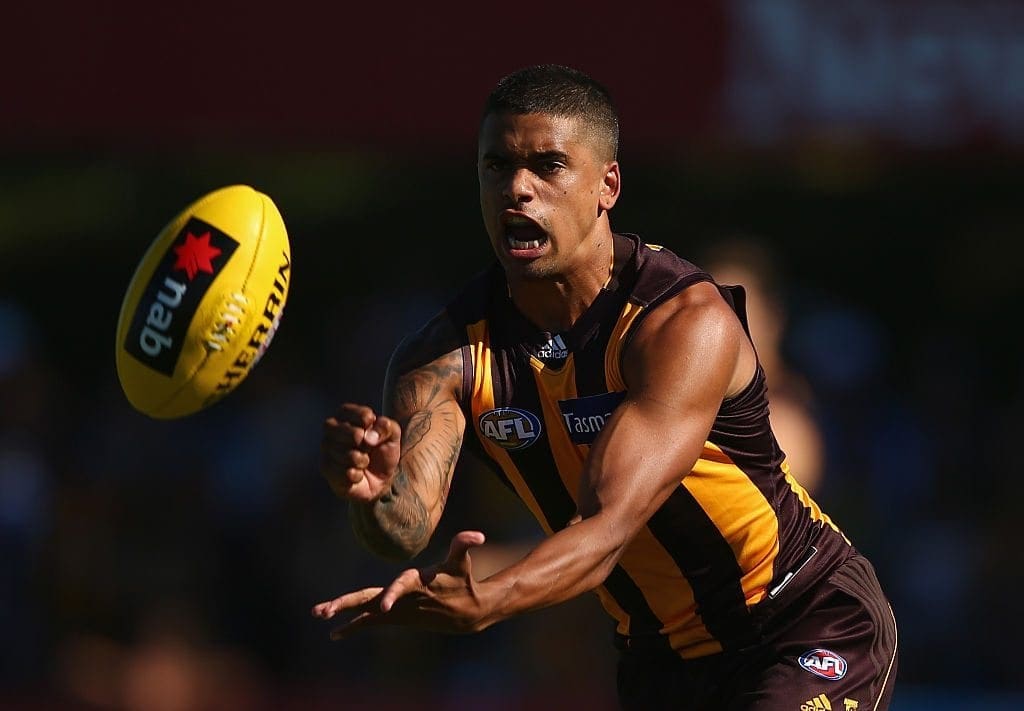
(824, 663)
(509, 427)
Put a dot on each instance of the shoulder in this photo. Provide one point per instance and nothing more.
(695, 313)
(434, 353)
(661, 274)
(436, 338)
(427, 364)
(695, 331)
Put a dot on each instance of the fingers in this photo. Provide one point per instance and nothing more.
(372, 605)
(352, 439)
(365, 619)
(365, 601)
(384, 429)
(357, 415)
(337, 457)
(359, 426)
(405, 583)
(463, 541)
(350, 601)
(434, 597)
(343, 469)
(458, 552)
(348, 425)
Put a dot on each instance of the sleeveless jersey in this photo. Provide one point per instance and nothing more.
(736, 541)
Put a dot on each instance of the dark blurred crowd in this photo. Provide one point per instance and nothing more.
(173, 565)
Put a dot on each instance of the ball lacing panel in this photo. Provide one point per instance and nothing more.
(224, 328)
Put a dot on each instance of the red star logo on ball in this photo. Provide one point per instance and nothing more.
(195, 255)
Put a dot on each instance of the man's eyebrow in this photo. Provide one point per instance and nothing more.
(537, 156)
(550, 155)
(533, 156)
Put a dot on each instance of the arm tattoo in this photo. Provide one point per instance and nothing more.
(395, 526)
(399, 524)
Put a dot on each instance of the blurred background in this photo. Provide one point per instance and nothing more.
(858, 165)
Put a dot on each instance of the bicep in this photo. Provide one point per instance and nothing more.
(422, 392)
(426, 368)
(678, 369)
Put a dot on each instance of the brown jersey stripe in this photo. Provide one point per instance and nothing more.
(623, 263)
(535, 464)
(552, 386)
(683, 527)
(627, 596)
(590, 371)
(669, 595)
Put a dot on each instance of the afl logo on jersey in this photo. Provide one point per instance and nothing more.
(510, 427)
(825, 663)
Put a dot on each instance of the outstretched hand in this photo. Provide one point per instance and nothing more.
(443, 598)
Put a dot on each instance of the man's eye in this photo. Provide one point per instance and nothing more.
(551, 166)
(495, 166)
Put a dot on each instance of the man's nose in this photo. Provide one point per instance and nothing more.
(519, 186)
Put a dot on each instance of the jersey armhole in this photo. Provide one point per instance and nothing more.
(646, 308)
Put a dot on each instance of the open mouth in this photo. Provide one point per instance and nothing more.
(522, 233)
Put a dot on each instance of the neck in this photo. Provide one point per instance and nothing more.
(554, 304)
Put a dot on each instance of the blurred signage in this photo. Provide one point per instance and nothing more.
(923, 72)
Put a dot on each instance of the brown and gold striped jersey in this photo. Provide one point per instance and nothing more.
(737, 539)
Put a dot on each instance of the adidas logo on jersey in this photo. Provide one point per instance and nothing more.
(818, 703)
(554, 349)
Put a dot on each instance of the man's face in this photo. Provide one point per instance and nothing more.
(544, 186)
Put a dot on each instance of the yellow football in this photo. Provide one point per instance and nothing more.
(204, 303)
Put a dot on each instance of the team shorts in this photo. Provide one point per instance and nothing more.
(834, 648)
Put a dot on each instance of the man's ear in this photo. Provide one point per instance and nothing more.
(611, 184)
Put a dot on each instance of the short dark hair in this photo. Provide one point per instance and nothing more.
(559, 91)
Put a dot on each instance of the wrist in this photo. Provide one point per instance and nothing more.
(493, 598)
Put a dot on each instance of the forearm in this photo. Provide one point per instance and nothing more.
(395, 468)
(575, 560)
(396, 525)
(399, 523)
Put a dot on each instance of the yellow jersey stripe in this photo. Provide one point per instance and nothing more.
(482, 401)
(741, 513)
(613, 353)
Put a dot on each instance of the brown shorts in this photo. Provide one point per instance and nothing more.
(836, 650)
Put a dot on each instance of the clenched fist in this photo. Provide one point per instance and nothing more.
(359, 452)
